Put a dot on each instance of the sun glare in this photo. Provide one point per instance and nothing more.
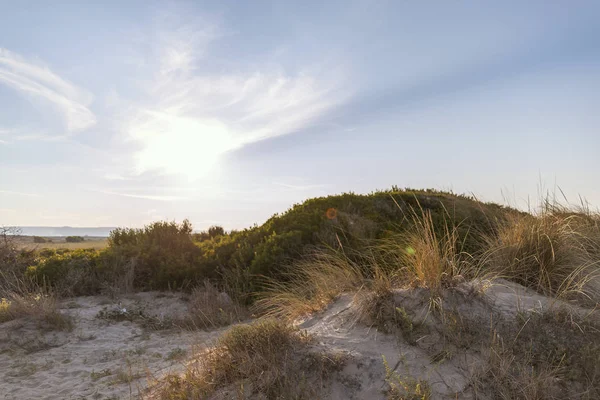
(181, 145)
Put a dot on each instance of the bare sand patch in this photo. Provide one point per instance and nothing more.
(101, 358)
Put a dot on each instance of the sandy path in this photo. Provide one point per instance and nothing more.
(99, 359)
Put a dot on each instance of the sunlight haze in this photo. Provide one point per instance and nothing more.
(123, 113)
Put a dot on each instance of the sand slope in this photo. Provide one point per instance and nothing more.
(99, 359)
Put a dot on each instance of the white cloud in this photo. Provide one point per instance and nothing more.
(10, 192)
(142, 196)
(190, 117)
(38, 81)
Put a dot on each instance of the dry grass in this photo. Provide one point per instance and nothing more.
(210, 308)
(36, 305)
(311, 285)
(267, 358)
(556, 253)
(420, 257)
(21, 298)
(429, 254)
(26, 242)
(511, 377)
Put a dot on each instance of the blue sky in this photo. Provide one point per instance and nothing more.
(121, 113)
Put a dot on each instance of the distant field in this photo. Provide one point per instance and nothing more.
(59, 242)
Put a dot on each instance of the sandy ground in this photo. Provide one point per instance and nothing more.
(108, 359)
(99, 358)
(446, 369)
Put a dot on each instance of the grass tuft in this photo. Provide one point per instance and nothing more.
(265, 358)
(556, 253)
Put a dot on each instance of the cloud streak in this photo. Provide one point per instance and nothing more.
(38, 81)
(141, 196)
(10, 192)
(190, 117)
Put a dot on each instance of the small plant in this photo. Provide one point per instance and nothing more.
(5, 314)
(210, 308)
(176, 354)
(405, 388)
(99, 375)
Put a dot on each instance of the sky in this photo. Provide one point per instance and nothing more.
(121, 113)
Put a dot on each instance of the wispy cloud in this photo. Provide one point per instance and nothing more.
(190, 117)
(10, 192)
(141, 196)
(299, 187)
(38, 81)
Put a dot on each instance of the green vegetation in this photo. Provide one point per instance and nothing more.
(168, 255)
(420, 238)
(74, 239)
(380, 247)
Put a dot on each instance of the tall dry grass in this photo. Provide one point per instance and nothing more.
(23, 298)
(420, 256)
(310, 285)
(429, 253)
(264, 358)
(209, 307)
(555, 252)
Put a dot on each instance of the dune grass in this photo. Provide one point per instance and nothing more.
(266, 358)
(422, 256)
(210, 308)
(556, 252)
(27, 299)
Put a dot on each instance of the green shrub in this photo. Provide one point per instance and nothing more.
(74, 239)
(69, 272)
(39, 239)
(166, 255)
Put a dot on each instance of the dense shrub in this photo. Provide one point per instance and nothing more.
(39, 239)
(74, 272)
(74, 239)
(169, 255)
(212, 232)
(164, 253)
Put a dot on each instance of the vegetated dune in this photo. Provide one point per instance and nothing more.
(396, 295)
(471, 341)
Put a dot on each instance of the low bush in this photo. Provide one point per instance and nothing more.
(74, 239)
(76, 272)
(266, 359)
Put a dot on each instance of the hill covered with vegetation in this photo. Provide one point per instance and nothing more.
(166, 255)
(488, 301)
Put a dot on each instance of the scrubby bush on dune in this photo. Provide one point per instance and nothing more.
(168, 255)
(164, 253)
(74, 272)
(74, 239)
(39, 239)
